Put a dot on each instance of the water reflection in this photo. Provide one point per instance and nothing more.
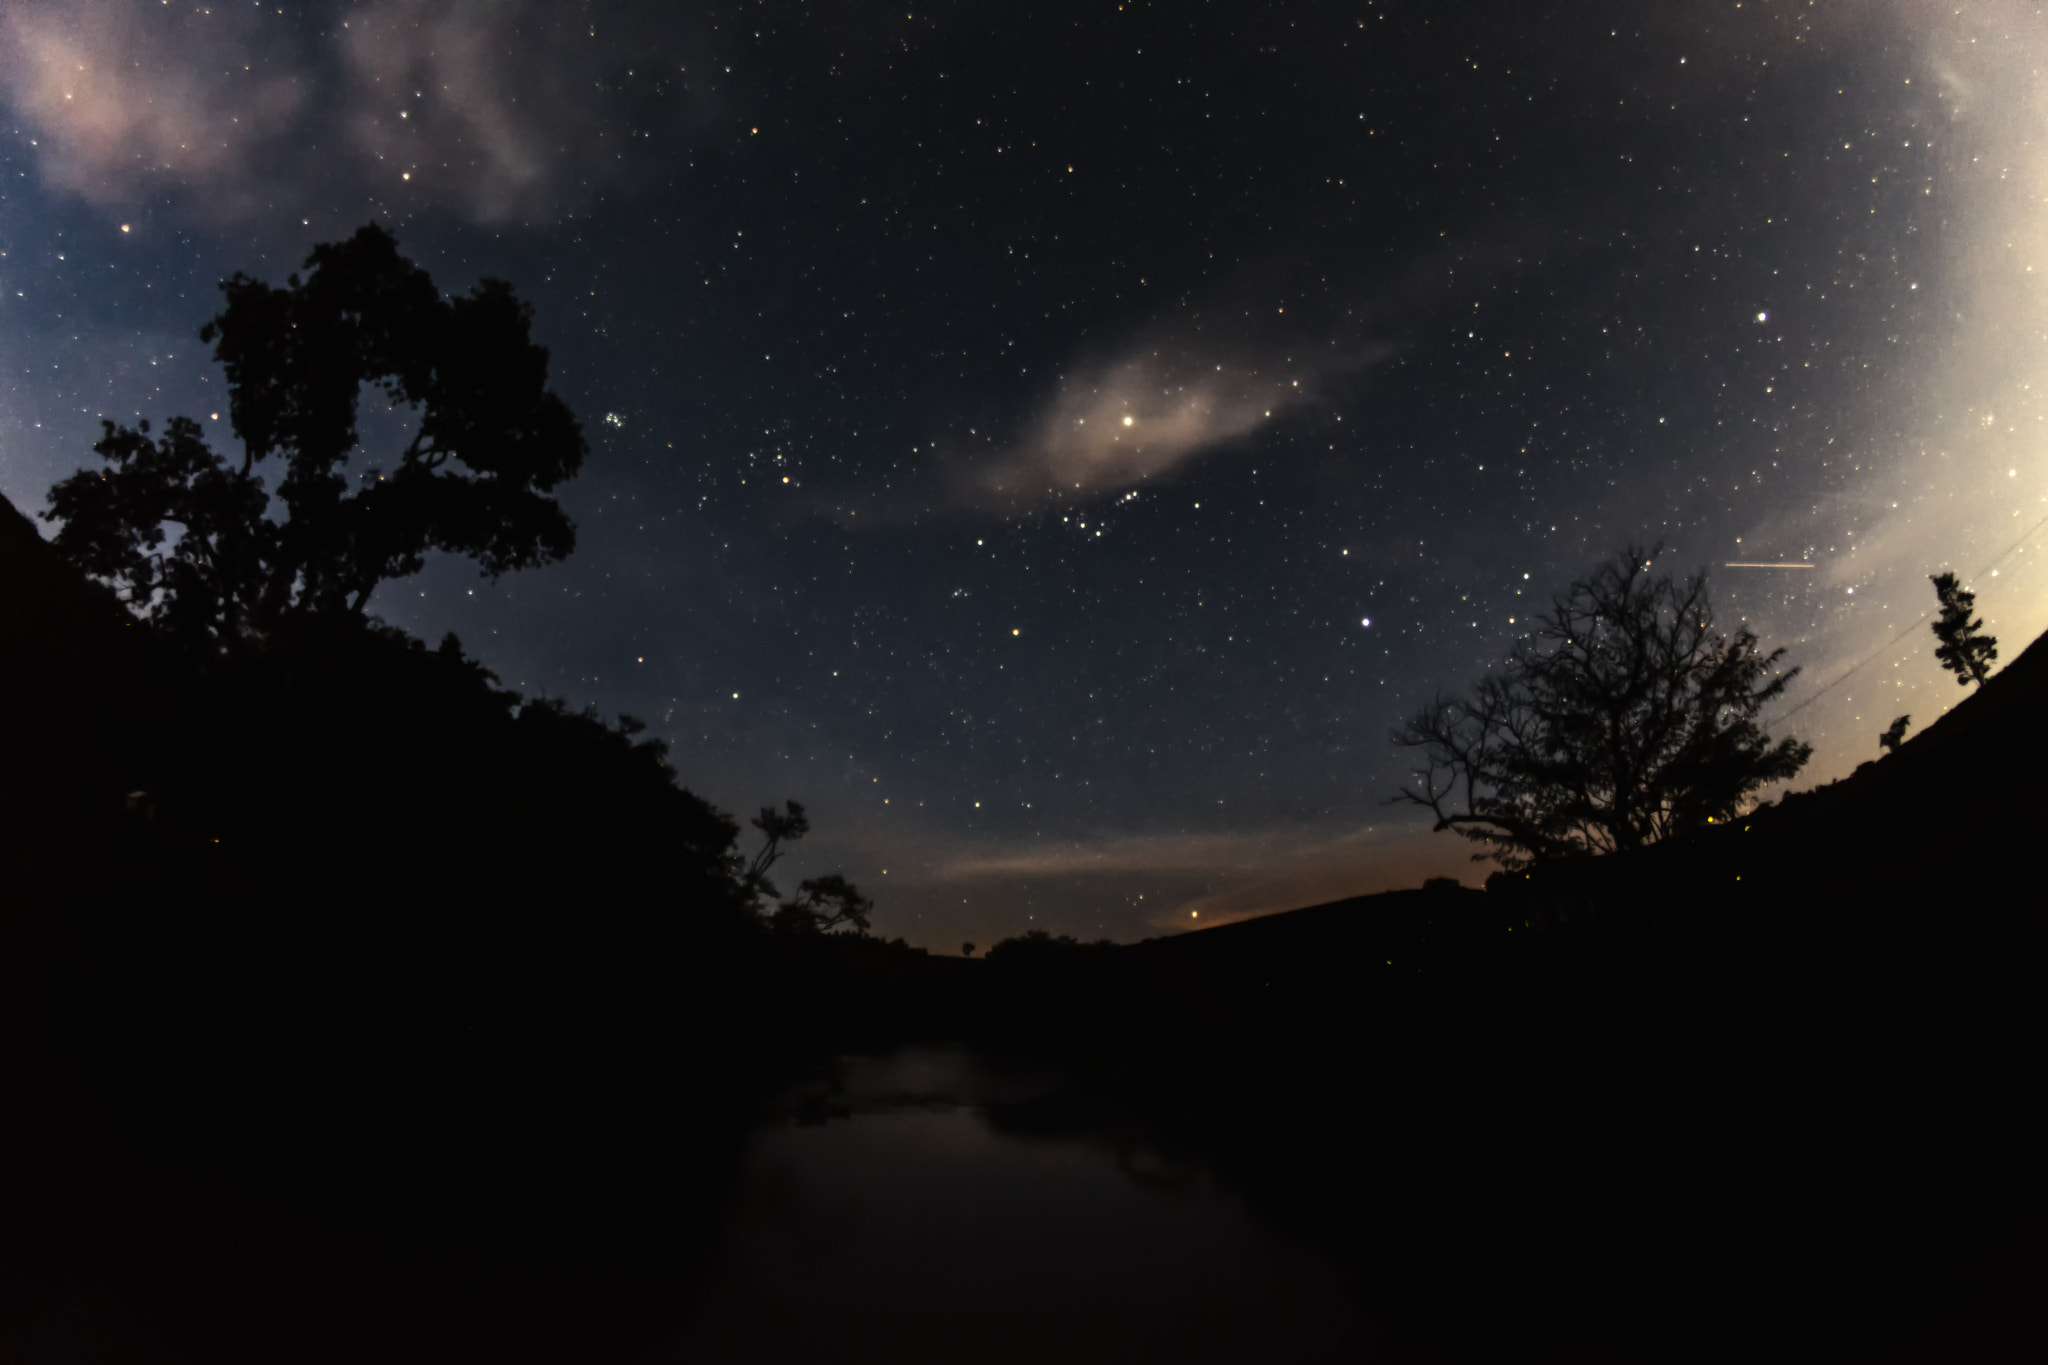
(885, 1216)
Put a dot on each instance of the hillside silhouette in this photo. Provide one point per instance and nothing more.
(1770, 1074)
(73, 689)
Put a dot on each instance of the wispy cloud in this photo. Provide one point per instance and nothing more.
(489, 111)
(1205, 879)
(1119, 855)
(494, 110)
(124, 96)
(1118, 420)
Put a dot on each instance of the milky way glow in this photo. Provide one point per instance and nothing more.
(1950, 475)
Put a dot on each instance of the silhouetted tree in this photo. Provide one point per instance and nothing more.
(1033, 940)
(1963, 651)
(1895, 735)
(822, 904)
(1036, 945)
(1622, 719)
(778, 827)
(184, 535)
(1058, 962)
(967, 950)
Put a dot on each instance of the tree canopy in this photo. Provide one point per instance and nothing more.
(1621, 719)
(1963, 651)
(187, 537)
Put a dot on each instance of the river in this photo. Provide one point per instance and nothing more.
(888, 1213)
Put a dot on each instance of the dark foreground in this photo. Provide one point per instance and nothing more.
(1613, 1141)
(391, 1021)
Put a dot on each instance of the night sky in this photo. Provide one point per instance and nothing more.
(1057, 442)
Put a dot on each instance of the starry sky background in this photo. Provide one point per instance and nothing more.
(1006, 419)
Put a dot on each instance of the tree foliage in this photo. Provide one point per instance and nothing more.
(1894, 735)
(187, 537)
(1623, 718)
(1963, 651)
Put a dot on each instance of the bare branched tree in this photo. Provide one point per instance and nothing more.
(778, 827)
(1622, 719)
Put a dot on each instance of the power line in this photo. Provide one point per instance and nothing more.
(2003, 556)
(1779, 720)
